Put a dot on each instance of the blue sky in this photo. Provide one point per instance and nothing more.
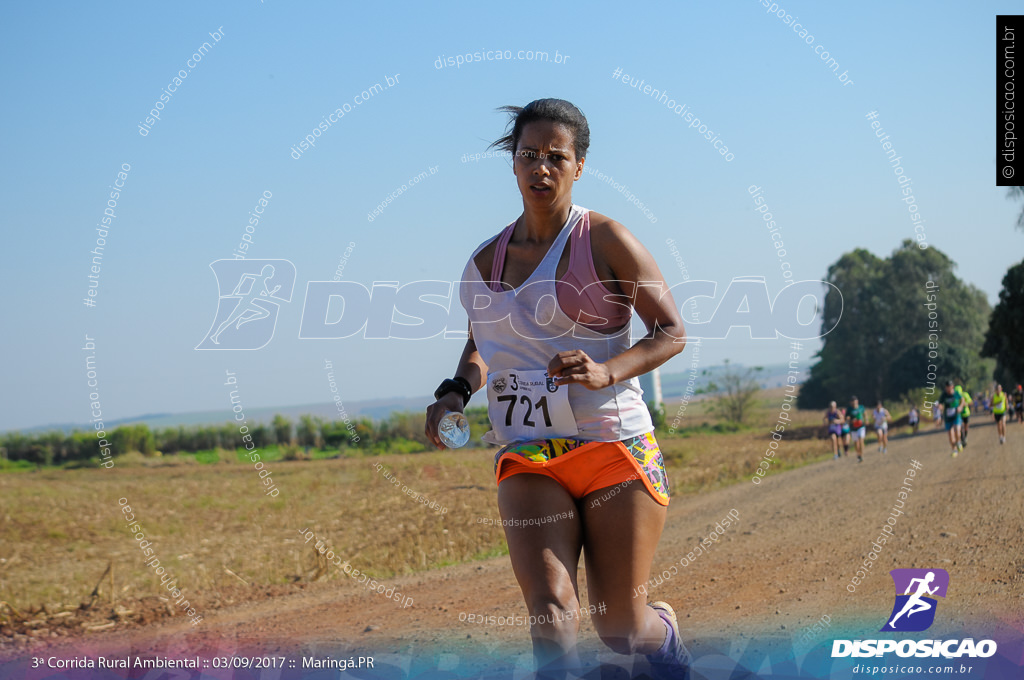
(81, 78)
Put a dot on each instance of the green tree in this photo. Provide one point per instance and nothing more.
(1004, 339)
(86, 444)
(17, 445)
(120, 441)
(282, 429)
(951, 363)
(850, 305)
(41, 454)
(136, 437)
(405, 425)
(261, 435)
(335, 434)
(736, 393)
(882, 343)
(1017, 193)
(144, 440)
(366, 432)
(657, 414)
(56, 442)
(308, 431)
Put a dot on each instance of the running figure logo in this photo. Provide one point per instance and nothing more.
(914, 609)
(247, 316)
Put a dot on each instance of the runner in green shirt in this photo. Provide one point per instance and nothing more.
(952, 404)
(858, 429)
(999, 402)
(965, 415)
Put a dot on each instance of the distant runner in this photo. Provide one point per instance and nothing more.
(965, 415)
(845, 433)
(999, 412)
(834, 421)
(858, 430)
(914, 418)
(1018, 403)
(882, 417)
(952, 404)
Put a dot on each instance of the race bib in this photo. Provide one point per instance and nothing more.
(528, 405)
(951, 411)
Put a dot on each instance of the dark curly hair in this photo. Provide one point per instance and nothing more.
(556, 110)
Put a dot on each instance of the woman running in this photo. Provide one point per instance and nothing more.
(845, 433)
(549, 301)
(834, 421)
(882, 417)
(999, 412)
(855, 418)
(952, 404)
(914, 418)
(965, 415)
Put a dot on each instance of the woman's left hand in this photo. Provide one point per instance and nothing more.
(574, 366)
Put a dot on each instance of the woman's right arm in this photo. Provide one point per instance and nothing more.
(473, 369)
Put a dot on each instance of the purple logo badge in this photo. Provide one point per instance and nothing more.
(914, 609)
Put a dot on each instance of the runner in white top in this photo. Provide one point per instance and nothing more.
(577, 406)
(882, 427)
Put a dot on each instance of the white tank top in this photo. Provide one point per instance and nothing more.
(519, 332)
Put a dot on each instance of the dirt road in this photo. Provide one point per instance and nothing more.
(799, 541)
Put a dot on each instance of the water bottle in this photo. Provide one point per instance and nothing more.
(453, 430)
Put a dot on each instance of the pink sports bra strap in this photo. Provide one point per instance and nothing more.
(581, 257)
(580, 299)
(498, 265)
(580, 248)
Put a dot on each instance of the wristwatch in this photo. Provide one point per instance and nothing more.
(460, 385)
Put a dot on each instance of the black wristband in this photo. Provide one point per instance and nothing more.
(460, 385)
(465, 383)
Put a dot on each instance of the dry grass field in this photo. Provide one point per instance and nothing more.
(224, 541)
